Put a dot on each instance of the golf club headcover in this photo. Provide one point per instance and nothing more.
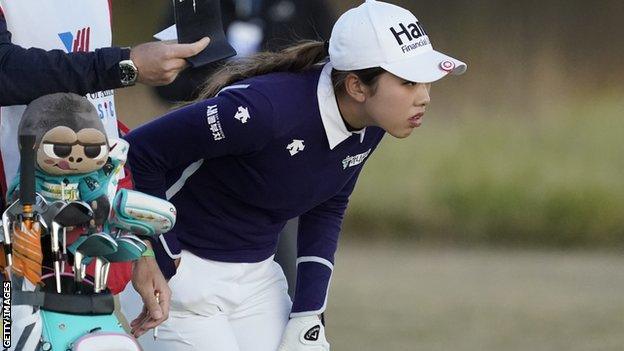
(142, 214)
(304, 334)
(27, 252)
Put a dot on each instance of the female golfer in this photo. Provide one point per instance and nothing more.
(273, 137)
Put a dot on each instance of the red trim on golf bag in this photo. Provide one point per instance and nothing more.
(110, 12)
(123, 129)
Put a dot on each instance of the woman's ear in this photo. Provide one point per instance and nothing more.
(355, 88)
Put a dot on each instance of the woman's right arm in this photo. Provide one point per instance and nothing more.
(236, 122)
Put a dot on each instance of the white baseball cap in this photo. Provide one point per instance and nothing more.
(378, 34)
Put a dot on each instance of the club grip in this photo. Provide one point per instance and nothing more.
(27, 169)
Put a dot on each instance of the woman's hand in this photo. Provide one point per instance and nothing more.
(150, 283)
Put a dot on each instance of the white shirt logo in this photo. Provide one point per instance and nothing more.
(295, 147)
(242, 114)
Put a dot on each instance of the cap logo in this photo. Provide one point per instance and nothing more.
(447, 66)
(413, 31)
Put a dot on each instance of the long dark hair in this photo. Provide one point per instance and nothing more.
(296, 58)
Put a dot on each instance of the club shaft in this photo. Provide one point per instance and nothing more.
(105, 270)
(55, 253)
(6, 227)
(77, 273)
(57, 275)
(98, 275)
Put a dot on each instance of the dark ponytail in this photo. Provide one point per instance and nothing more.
(299, 57)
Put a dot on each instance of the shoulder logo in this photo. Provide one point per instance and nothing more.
(212, 117)
(242, 114)
(295, 147)
(351, 161)
(313, 333)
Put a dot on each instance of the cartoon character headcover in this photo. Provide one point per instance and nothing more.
(71, 138)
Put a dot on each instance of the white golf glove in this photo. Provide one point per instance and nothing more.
(304, 334)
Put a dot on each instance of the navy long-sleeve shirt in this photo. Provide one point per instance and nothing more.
(26, 74)
(239, 165)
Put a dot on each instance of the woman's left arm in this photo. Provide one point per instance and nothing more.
(317, 241)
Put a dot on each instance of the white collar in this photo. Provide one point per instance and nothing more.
(334, 125)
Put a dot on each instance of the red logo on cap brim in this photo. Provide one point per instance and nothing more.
(447, 66)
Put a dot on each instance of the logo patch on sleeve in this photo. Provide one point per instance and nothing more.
(212, 117)
(242, 114)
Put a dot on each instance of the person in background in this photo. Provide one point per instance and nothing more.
(71, 52)
(252, 26)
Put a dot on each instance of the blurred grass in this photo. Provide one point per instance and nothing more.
(414, 298)
(551, 177)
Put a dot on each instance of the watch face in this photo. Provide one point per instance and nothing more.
(128, 73)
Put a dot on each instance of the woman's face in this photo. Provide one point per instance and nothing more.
(397, 105)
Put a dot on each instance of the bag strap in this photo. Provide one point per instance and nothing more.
(65, 303)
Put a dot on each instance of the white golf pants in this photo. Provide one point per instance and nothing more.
(219, 306)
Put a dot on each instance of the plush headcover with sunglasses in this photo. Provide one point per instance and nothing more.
(73, 160)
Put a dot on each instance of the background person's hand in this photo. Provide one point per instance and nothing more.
(304, 334)
(148, 280)
(159, 63)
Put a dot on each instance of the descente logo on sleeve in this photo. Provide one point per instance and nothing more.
(410, 33)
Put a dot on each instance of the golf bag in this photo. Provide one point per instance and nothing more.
(73, 311)
(76, 322)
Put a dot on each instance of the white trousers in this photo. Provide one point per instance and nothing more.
(219, 306)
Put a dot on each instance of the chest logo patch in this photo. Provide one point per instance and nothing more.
(242, 114)
(295, 147)
(351, 161)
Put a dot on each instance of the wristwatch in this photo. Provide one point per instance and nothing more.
(128, 72)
